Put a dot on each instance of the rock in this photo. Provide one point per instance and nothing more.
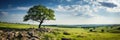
(22, 34)
(30, 33)
(66, 33)
(33, 38)
(1, 31)
(10, 35)
(3, 38)
(24, 38)
(19, 36)
(16, 34)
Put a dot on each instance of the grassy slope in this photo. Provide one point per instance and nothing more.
(84, 34)
(18, 26)
(75, 33)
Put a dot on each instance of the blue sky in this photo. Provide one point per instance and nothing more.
(66, 11)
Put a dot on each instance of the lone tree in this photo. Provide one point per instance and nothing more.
(39, 13)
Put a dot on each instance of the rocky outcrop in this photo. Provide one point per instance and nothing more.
(22, 34)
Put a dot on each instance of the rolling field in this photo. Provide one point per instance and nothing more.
(59, 33)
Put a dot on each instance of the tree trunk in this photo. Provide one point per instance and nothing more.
(41, 22)
(39, 25)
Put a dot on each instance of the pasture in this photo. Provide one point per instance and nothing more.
(79, 33)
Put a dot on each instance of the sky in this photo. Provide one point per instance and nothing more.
(66, 11)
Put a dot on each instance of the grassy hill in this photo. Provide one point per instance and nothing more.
(79, 33)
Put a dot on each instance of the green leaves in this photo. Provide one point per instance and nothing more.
(37, 13)
(26, 18)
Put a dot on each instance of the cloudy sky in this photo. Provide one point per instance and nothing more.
(66, 11)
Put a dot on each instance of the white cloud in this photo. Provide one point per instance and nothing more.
(117, 2)
(93, 10)
(22, 8)
(90, 9)
(3, 13)
(77, 10)
(60, 8)
(116, 9)
(94, 20)
(14, 18)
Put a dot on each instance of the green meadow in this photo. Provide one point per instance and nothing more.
(66, 33)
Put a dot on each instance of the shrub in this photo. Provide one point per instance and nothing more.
(102, 30)
(91, 30)
(66, 33)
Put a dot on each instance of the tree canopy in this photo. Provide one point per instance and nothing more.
(39, 13)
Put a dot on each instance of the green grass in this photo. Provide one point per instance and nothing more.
(74, 33)
(85, 34)
(17, 26)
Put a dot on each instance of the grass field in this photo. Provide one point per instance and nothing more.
(17, 26)
(99, 33)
